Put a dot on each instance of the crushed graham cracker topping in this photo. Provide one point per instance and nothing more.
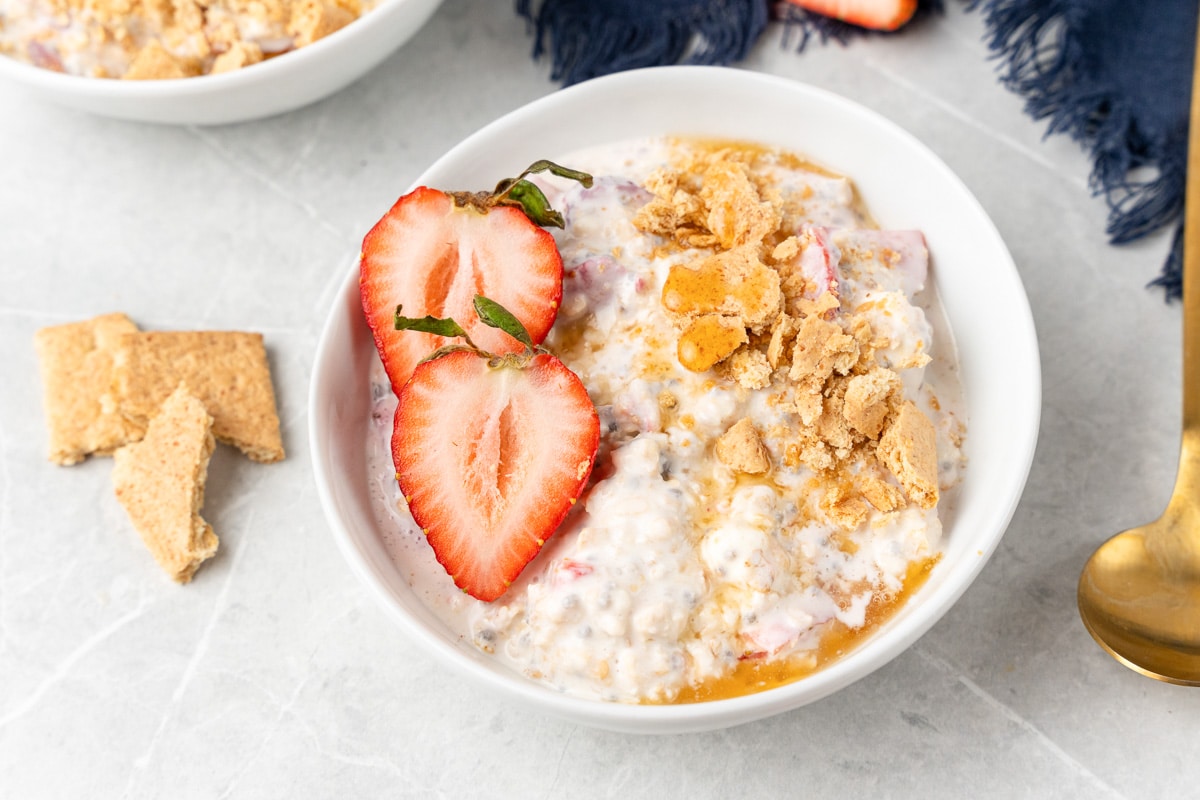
(164, 39)
(756, 299)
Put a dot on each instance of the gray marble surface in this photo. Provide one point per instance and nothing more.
(274, 675)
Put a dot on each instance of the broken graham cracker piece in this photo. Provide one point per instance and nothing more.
(732, 283)
(225, 370)
(749, 368)
(239, 54)
(737, 215)
(741, 449)
(880, 493)
(154, 63)
(315, 19)
(709, 339)
(160, 482)
(821, 349)
(908, 448)
(868, 400)
(77, 370)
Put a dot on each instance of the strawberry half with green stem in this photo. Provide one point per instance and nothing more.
(434, 251)
(491, 451)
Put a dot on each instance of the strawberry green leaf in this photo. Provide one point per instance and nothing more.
(428, 324)
(495, 315)
(560, 171)
(535, 205)
(520, 192)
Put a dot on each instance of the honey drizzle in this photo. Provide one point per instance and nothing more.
(756, 675)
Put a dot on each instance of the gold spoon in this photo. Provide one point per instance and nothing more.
(1139, 594)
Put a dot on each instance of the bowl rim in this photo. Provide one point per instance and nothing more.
(264, 71)
(893, 638)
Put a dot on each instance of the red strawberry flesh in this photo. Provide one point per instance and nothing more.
(433, 257)
(491, 460)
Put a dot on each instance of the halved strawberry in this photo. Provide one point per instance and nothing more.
(880, 15)
(434, 251)
(491, 452)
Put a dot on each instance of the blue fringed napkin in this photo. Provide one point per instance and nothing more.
(1115, 75)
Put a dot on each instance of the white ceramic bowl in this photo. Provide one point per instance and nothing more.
(904, 185)
(274, 86)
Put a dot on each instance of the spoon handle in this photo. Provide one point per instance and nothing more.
(1187, 486)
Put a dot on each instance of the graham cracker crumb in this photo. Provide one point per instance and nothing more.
(741, 449)
(843, 508)
(908, 448)
(821, 349)
(783, 333)
(226, 370)
(737, 215)
(765, 266)
(731, 283)
(748, 367)
(314, 19)
(709, 339)
(868, 399)
(153, 63)
(239, 54)
(881, 494)
(76, 361)
(160, 482)
(163, 39)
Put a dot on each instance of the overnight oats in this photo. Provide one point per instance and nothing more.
(779, 428)
(155, 39)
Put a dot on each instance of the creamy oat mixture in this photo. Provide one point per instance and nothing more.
(778, 431)
(153, 39)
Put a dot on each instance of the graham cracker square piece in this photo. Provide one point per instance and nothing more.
(226, 370)
(77, 369)
(160, 482)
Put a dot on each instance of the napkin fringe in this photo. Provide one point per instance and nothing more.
(586, 39)
(589, 38)
(1142, 180)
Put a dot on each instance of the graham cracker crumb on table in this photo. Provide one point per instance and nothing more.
(76, 361)
(160, 483)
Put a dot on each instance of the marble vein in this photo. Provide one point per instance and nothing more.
(5, 527)
(1048, 744)
(189, 671)
(562, 754)
(284, 710)
(369, 762)
(266, 180)
(64, 667)
(287, 706)
(333, 285)
(965, 118)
